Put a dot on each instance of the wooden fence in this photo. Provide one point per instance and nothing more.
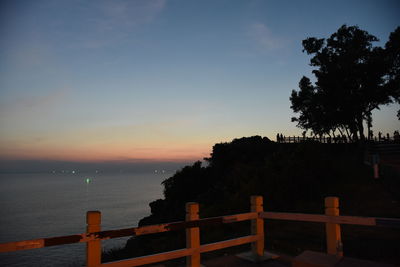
(192, 224)
(322, 139)
(336, 140)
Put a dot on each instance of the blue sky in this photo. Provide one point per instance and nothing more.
(160, 79)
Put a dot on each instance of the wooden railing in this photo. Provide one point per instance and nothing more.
(322, 139)
(192, 224)
(336, 140)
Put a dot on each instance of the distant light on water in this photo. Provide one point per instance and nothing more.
(88, 180)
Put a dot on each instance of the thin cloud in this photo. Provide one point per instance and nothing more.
(264, 37)
(132, 12)
(114, 21)
(106, 23)
(27, 104)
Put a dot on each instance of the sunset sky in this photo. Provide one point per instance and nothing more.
(160, 79)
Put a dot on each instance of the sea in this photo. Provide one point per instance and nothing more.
(55, 204)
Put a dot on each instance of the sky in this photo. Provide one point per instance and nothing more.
(160, 80)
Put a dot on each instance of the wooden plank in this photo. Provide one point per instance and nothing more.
(43, 242)
(152, 229)
(228, 243)
(150, 259)
(240, 217)
(193, 235)
(173, 226)
(21, 245)
(93, 248)
(334, 243)
(257, 226)
(48, 242)
(134, 231)
(211, 221)
(371, 221)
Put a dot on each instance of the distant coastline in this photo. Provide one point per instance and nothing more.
(48, 166)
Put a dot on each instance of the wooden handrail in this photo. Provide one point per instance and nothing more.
(369, 221)
(152, 229)
(134, 231)
(93, 239)
(181, 252)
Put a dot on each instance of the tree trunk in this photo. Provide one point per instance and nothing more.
(340, 132)
(348, 135)
(369, 124)
(353, 132)
(360, 128)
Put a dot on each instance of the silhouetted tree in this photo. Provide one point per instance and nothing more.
(352, 79)
(392, 48)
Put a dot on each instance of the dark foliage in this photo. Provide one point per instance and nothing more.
(353, 78)
(291, 177)
(393, 61)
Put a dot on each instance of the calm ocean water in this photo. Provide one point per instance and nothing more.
(46, 205)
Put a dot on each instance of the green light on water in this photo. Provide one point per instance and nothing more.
(88, 180)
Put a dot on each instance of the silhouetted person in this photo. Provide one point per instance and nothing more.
(396, 136)
(282, 138)
(379, 136)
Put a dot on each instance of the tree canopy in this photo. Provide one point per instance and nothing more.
(353, 78)
(393, 58)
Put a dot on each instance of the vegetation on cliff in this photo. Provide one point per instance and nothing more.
(290, 177)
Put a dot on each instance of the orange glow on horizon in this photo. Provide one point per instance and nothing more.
(116, 144)
(167, 153)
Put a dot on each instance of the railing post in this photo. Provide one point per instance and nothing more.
(257, 227)
(333, 237)
(93, 248)
(193, 235)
